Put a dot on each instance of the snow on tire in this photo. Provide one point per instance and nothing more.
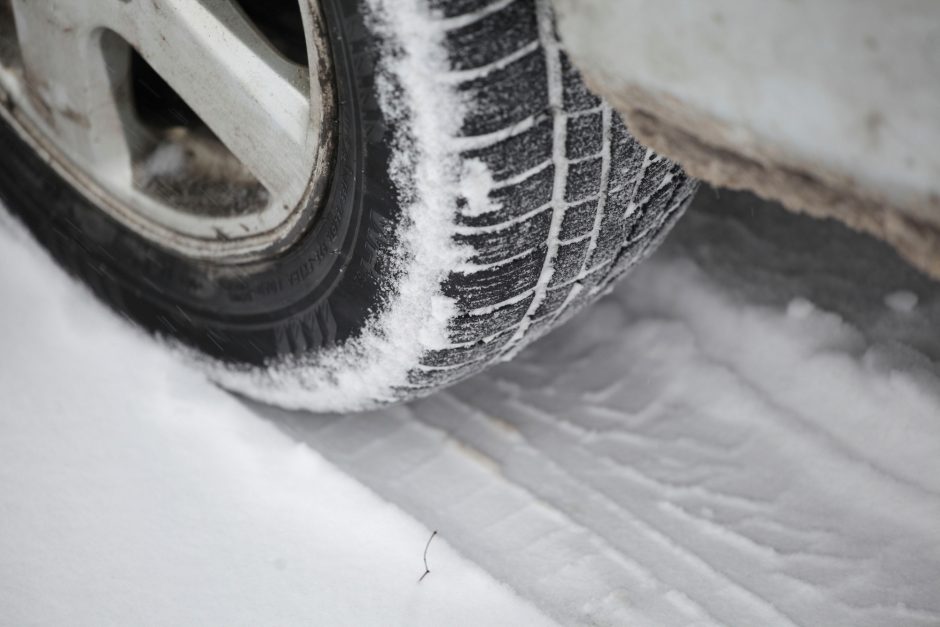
(535, 195)
(480, 196)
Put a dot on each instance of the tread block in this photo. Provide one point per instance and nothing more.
(612, 231)
(584, 180)
(568, 261)
(518, 153)
(626, 156)
(584, 137)
(492, 286)
(491, 247)
(590, 284)
(453, 8)
(653, 178)
(482, 349)
(469, 328)
(506, 96)
(578, 220)
(575, 94)
(554, 299)
(617, 202)
(515, 200)
(647, 214)
(492, 37)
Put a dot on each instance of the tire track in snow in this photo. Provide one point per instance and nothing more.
(635, 469)
(671, 560)
(462, 493)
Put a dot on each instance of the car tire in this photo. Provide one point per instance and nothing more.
(479, 196)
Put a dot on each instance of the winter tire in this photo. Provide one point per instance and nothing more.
(465, 194)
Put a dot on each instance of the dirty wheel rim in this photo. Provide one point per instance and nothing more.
(232, 170)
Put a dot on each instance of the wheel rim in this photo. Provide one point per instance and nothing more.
(238, 183)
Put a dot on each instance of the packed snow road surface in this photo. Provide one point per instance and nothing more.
(746, 431)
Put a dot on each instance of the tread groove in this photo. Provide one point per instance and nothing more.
(559, 158)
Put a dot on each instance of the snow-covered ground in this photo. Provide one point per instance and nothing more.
(746, 432)
(133, 492)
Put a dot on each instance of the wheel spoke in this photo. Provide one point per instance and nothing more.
(72, 76)
(252, 98)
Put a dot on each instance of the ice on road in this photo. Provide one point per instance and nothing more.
(746, 431)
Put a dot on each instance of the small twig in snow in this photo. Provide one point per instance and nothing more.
(427, 571)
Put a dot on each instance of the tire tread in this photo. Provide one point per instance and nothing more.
(616, 200)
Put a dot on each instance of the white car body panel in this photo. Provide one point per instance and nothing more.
(832, 107)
